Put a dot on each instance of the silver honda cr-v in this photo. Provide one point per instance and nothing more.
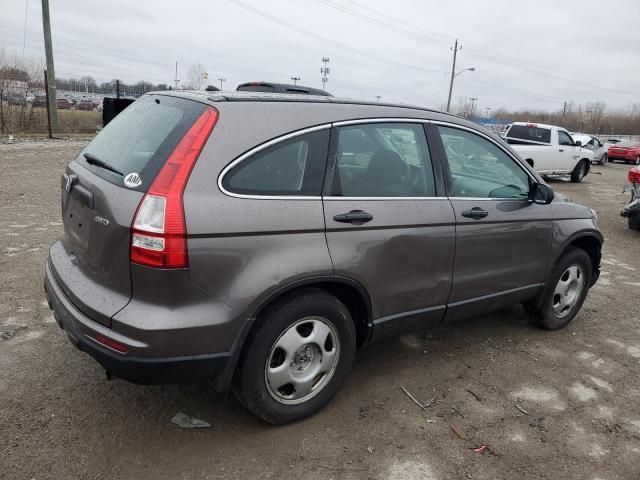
(258, 239)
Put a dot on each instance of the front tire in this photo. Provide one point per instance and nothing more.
(565, 292)
(296, 357)
(603, 162)
(579, 171)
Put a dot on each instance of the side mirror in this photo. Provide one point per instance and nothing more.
(541, 194)
(577, 143)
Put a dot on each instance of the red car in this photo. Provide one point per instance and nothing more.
(627, 151)
(64, 104)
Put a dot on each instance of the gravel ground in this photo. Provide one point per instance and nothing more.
(578, 389)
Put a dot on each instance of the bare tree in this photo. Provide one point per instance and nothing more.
(196, 76)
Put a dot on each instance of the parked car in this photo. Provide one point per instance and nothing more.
(280, 88)
(550, 150)
(613, 141)
(258, 241)
(591, 143)
(64, 104)
(632, 209)
(40, 101)
(84, 105)
(626, 151)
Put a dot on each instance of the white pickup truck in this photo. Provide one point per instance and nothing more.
(550, 150)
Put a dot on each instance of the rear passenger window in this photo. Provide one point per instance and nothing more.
(383, 160)
(292, 167)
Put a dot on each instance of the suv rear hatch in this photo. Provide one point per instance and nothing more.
(101, 191)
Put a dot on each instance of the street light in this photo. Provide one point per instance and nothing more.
(470, 69)
(222, 80)
(378, 97)
(295, 80)
(487, 117)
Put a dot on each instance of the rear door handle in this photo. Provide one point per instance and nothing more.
(357, 217)
(476, 213)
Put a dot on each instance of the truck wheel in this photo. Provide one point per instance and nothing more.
(579, 172)
(296, 357)
(565, 291)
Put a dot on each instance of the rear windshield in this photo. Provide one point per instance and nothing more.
(532, 134)
(256, 88)
(141, 138)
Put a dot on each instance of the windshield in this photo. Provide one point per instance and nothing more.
(140, 139)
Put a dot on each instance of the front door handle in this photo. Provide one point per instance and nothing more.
(561, 150)
(357, 217)
(476, 213)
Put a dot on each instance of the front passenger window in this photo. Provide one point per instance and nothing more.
(481, 169)
(564, 138)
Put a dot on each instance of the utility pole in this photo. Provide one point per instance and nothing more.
(295, 80)
(222, 80)
(378, 97)
(487, 117)
(564, 110)
(46, 93)
(51, 76)
(453, 72)
(473, 105)
(324, 71)
(176, 81)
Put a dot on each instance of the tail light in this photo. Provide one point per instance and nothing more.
(159, 232)
(634, 175)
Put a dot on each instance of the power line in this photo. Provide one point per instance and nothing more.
(329, 41)
(477, 51)
(381, 23)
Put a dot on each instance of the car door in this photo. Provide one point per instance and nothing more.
(502, 238)
(567, 152)
(388, 224)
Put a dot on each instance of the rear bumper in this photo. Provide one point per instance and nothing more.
(632, 209)
(82, 332)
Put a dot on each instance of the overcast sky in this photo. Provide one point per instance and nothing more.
(534, 54)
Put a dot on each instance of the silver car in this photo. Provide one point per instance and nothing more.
(594, 145)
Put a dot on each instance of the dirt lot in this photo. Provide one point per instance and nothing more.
(60, 418)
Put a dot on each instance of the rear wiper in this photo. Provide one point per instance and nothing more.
(93, 160)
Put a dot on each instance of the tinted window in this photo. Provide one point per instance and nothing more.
(481, 169)
(383, 160)
(564, 138)
(531, 133)
(256, 88)
(292, 167)
(141, 138)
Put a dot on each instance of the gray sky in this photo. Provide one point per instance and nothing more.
(533, 54)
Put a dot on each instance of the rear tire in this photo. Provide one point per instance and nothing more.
(565, 292)
(579, 171)
(296, 357)
(637, 160)
(603, 162)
